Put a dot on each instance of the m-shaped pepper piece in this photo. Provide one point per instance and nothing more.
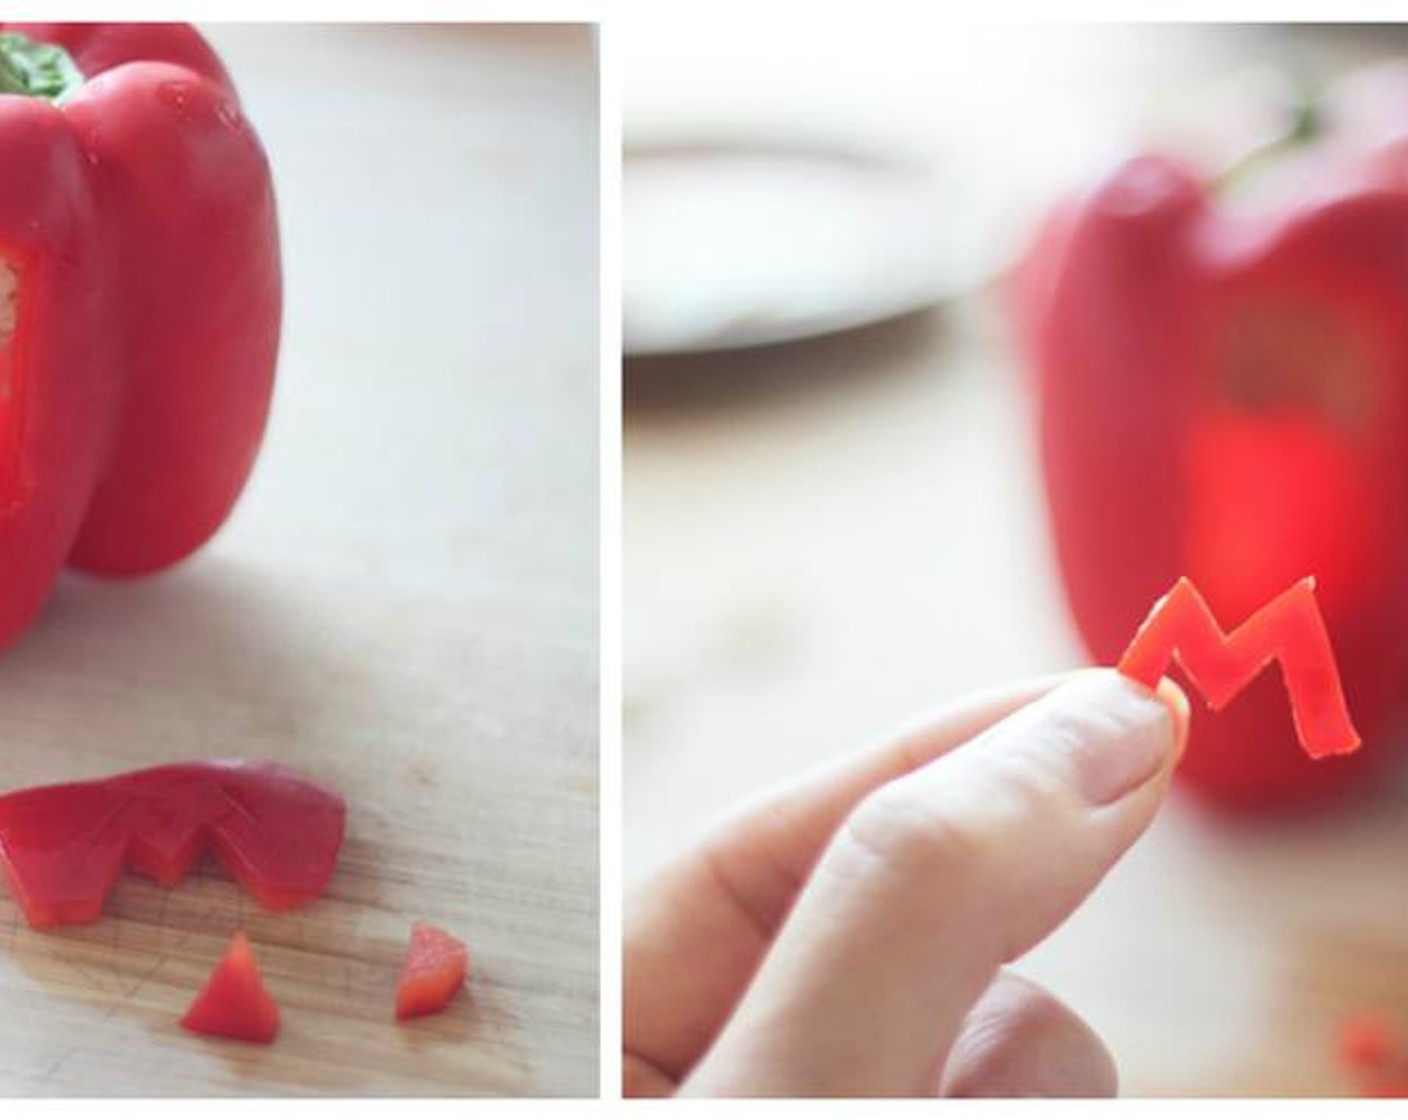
(62, 846)
(1288, 629)
(140, 302)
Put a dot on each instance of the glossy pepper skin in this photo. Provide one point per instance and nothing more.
(140, 302)
(1221, 394)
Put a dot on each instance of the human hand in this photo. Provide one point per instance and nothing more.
(845, 936)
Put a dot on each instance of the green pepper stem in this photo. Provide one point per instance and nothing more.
(11, 79)
(33, 69)
(1305, 126)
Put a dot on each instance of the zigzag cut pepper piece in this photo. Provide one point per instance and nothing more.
(1288, 629)
(62, 846)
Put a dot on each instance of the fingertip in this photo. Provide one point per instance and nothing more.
(1175, 701)
(1105, 733)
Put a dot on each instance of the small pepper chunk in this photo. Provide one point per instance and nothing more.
(1368, 1041)
(1370, 1049)
(234, 1002)
(1289, 628)
(62, 846)
(435, 968)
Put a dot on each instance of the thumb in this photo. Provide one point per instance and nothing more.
(938, 879)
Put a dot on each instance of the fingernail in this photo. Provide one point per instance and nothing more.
(1118, 733)
(1177, 703)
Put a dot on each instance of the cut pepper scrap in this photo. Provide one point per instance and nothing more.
(1370, 1048)
(1368, 1041)
(234, 1002)
(1289, 628)
(435, 968)
(62, 846)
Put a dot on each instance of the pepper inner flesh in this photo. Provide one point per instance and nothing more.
(9, 301)
(1282, 478)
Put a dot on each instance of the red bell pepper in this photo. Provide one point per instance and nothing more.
(140, 301)
(435, 968)
(62, 846)
(234, 1002)
(1288, 629)
(1221, 395)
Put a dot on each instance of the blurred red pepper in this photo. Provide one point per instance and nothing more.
(140, 295)
(1223, 394)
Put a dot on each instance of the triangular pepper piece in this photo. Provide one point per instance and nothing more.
(234, 1002)
(435, 968)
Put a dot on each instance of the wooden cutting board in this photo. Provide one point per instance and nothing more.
(403, 607)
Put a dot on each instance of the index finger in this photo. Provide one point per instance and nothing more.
(938, 880)
(695, 934)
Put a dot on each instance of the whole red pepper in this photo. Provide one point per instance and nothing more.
(1223, 394)
(140, 298)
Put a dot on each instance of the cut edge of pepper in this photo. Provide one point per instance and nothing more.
(20, 271)
(14, 299)
(9, 301)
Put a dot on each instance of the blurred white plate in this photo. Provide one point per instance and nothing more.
(743, 243)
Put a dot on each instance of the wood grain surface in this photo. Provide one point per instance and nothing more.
(403, 606)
